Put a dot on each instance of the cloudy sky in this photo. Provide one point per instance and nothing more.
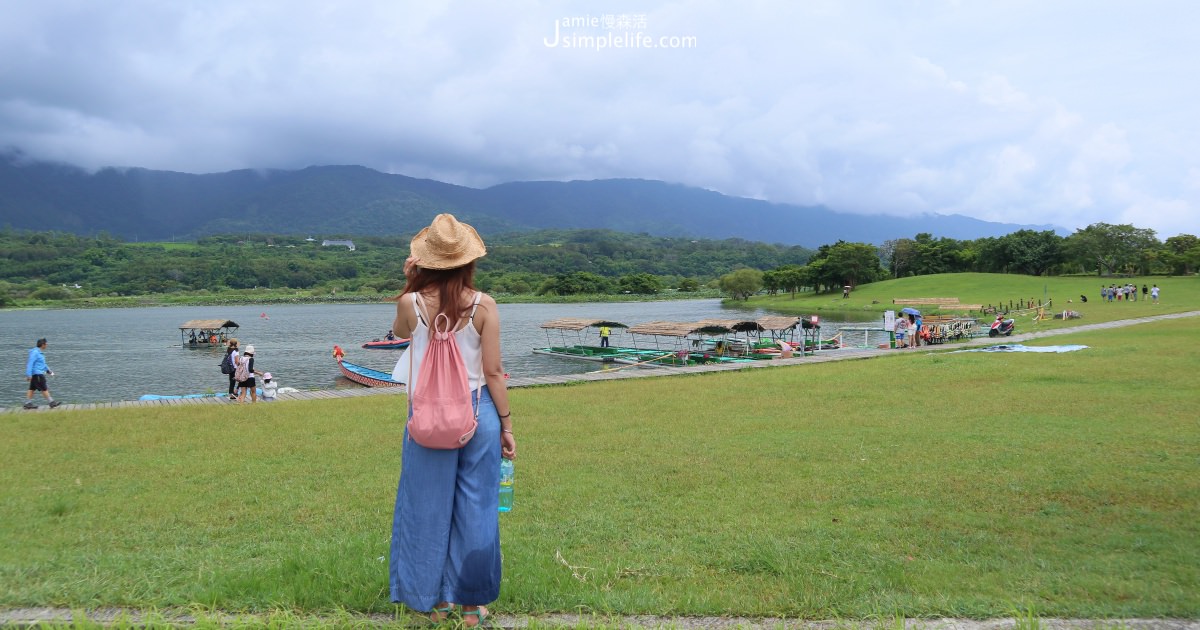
(1062, 112)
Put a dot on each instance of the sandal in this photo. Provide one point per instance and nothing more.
(481, 613)
(438, 615)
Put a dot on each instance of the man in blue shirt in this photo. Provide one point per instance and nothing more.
(36, 371)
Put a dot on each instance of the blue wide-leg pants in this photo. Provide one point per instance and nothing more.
(446, 527)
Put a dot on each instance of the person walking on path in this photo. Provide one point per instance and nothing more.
(36, 372)
(445, 549)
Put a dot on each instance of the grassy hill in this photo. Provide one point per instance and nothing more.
(1178, 294)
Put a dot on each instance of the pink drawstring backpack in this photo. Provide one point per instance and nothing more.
(442, 414)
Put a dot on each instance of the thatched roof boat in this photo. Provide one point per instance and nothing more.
(579, 323)
(206, 332)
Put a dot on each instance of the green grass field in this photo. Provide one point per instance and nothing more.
(1178, 294)
(911, 485)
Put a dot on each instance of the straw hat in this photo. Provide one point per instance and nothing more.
(447, 244)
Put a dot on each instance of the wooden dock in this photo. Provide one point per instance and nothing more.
(821, 356)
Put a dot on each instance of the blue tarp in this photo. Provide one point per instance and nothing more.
(257, 390)
(1016, 347)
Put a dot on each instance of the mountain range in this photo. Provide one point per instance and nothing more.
(152, 205)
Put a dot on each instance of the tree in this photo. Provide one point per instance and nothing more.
(741, 284)
(1177, 253)
(1115, 248)
(639, 283)
(771, 281)
(852, 264)
(940, 255)
(575, 283)
(901, 255)
(790, 278)
(1032, 253)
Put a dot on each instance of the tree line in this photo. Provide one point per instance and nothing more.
(1099, 248)
(57, 266)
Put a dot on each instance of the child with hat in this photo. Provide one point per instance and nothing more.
(269, 387)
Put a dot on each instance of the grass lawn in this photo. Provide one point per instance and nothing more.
(1178, 294)
(916, 485)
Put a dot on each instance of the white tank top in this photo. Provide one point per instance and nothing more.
(470, 345)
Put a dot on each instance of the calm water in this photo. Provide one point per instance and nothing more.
(120, 354)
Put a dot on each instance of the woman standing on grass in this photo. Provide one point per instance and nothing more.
(446, 528)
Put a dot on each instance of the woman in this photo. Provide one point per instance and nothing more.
(446, 529)
(245, 376)
(232, 351)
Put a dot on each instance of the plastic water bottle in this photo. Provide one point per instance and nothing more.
(506, 484)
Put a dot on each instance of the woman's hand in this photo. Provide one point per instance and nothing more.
(410, 266)
(508, 446)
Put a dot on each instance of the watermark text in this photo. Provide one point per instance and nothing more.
(611, 31)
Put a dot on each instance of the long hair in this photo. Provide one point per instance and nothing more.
(449, 285)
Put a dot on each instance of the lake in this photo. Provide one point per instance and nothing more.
(104, 355)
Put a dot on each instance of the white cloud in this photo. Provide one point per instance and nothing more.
(1005, 112)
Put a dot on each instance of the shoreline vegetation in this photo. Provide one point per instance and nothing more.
(1007, 291)
(1012, 486)
(548, 266)
(267, 297)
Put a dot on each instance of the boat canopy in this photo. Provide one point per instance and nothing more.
(579, 323)
(778, 322)
(736, 325)
(208, 324)
(678, 329)
(206, 332)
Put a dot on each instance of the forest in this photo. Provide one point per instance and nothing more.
(55, 266)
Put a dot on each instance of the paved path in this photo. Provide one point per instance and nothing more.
(629, 371)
